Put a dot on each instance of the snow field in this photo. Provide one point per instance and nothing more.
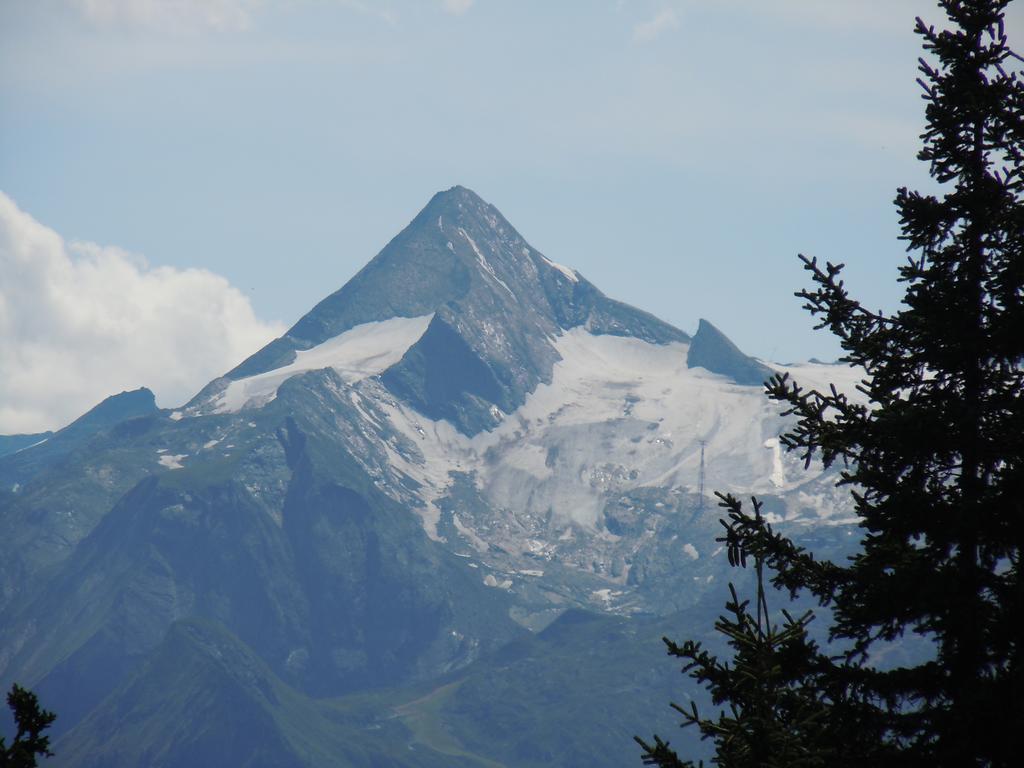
(360, 352)
(619, 413)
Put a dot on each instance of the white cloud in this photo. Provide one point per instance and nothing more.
(646, 31)
(456, 7)
(175, 14)
(79, 322)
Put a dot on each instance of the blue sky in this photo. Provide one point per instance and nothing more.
(678, 153)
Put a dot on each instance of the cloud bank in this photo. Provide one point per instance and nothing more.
(79, 322)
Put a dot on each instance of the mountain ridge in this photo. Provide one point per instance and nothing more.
(490, 293)
(712, 350)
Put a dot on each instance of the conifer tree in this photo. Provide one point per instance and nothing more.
(935, 460)
(30, 721)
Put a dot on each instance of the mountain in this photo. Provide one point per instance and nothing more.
(236, 711)
(713, 351)
(481, 308)
(398, 523)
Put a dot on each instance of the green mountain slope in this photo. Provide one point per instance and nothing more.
(204, 699)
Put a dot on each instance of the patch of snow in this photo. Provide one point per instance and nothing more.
(530, 572)
(778, 476)
(535, 547)
(820, 376)
(469, 534)
(490, 581)
(176, 416)
(569, 273)
(173, 460)
(843, 521)
(430, 516)
(210, 443)
(826, 504)
(604, 596)
(38, 442)
(691, 551)
(356, 354)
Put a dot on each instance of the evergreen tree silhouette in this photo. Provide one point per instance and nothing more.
(935, 460)
(30, 721)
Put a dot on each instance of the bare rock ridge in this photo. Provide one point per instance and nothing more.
(712, 350)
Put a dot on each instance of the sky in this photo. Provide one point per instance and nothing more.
(181, 180)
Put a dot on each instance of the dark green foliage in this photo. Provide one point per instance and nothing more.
(935, 461)
(30, 721)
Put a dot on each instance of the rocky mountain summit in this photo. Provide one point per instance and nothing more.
(466, 460)
(490, 305)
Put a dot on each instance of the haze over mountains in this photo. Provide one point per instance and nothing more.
(443, 520)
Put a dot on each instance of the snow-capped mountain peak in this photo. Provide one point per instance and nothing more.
(495, 304)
